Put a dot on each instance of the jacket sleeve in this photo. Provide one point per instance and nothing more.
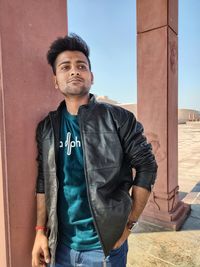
(40, 177)
(138, 152)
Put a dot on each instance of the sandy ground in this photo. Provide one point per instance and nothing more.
(156, 247)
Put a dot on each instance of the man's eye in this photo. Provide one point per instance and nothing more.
(64, 67)
(82, 67)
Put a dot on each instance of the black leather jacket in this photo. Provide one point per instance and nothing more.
(113, 143)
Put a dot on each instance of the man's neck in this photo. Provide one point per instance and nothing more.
(74, 102)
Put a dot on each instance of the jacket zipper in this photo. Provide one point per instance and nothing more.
(88, 193)
(87, 187)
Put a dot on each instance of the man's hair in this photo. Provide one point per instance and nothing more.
(70, 42)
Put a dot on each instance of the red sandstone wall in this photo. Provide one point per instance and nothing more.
(26, 94)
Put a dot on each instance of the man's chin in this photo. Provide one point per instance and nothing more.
(76, 93)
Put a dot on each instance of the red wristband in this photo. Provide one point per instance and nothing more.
(37, 227)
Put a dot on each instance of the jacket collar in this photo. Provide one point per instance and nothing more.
(92, 101)
(55, 119)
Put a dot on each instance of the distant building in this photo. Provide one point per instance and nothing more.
(184, 115)
(106, 100)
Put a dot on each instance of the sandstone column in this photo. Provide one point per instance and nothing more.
(157, 65)
(26, 94)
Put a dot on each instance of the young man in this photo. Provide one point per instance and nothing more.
(86, 152)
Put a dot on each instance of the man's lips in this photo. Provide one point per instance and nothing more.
(75, 80)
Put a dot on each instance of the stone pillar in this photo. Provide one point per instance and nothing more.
(26, 94)
(157, 65)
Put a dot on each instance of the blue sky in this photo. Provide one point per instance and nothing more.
(189, 54)
(110, 31)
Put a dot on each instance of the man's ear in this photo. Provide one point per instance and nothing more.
(92, 78)
(55, 81)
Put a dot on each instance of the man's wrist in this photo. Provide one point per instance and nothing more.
(40, 227)
(131, 225)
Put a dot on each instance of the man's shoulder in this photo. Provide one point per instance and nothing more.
(44, 120)
(52, 113)
(112, 107)
(45, 124)
(118, 112)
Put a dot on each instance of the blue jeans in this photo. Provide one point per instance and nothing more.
(67, 257)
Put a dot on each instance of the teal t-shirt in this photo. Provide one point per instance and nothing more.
(75, 228)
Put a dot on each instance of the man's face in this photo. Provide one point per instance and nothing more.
(73, 76)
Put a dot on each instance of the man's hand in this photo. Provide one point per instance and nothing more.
(40, 252)
(140, 196)
(123, 238)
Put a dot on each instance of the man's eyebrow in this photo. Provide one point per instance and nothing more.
(82, 61)
(64, 62)
(68, 62)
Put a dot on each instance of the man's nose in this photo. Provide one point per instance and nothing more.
(74, 72)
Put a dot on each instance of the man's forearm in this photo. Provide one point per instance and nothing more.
(140, 197)
(41, 210)
(40, 252)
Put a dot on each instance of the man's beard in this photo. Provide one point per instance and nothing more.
(79, 91)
